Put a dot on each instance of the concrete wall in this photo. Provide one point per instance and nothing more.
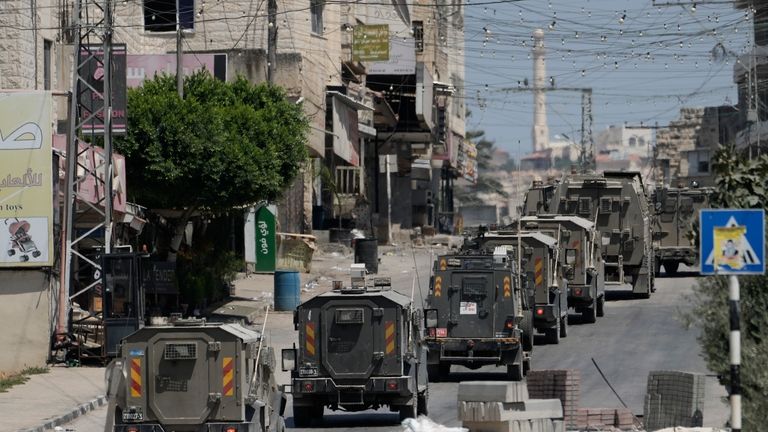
(26, 304)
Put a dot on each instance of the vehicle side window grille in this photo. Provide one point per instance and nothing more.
(180, 351)
(584, 205)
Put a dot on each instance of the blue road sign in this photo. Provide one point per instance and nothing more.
(732, 241)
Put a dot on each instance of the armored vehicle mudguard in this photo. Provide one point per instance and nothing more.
(618, 205)
(474, 315)
(194, 376)
(541, 278)
(359, 348)
(581, 260)
(675, 222)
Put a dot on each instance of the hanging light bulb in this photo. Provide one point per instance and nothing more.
(693, 8)
(583, 72)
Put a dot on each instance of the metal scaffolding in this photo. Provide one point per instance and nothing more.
(90, 124)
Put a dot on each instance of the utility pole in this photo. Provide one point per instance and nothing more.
(179, 54)
(271, 40)
(734, 344)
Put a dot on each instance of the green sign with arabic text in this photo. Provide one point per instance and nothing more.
(370, 43)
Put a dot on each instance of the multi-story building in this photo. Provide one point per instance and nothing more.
(749, 74)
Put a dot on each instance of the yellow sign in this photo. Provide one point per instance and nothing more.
(729, 251)
(370, 43)
(26, 183)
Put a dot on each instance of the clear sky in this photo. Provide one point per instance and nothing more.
(644, 62)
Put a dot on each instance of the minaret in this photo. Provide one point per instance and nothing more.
(540, 129)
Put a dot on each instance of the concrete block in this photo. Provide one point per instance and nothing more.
(492, 391)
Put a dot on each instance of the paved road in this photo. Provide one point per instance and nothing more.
(634, 337)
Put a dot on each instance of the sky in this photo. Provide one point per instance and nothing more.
(642, 60)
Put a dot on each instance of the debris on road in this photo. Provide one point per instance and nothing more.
(425, 424)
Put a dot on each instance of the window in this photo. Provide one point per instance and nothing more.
(585, 204)
(633, 142)
(418, 35)
(161, 15)
(316, 10)
(47, 48)
(698, 162)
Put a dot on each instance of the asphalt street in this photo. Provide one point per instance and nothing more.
(635, 337)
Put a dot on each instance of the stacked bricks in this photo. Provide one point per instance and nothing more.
(603, 418)
(491, 406)
(562, 384)
(674, 399)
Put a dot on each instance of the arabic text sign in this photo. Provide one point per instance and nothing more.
(26, 184)
(732, 241)
(370, 43)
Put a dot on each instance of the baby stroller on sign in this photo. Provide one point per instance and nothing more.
(20, 240)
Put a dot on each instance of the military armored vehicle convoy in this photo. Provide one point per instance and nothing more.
(196, 376)
(675, 225)
(617, 204)
(360, 347)
(475, 315)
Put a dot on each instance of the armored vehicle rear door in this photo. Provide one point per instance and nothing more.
(362, 337)
(182, 374)
(472, 296)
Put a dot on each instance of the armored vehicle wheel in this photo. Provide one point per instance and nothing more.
(601, 306)
(527, 326)
(410, 410)
(553, 334)
(422, 409)
(515, 372)
(303, 415)
(589, 314)
(564, 326)
(671, 267)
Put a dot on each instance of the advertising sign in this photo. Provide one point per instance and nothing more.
(732, 241)
(26, 183)
(92, 58)
(266, 244)
(142, 67)
(370, 43)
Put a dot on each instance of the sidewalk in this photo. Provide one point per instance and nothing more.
(51, 399)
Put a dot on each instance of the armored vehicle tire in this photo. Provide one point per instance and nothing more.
(515, 371)
(410, 410)
(422, 409)
(589, 314)
(303, 416)
(553, 334)
(564, 326)
(527, 326)
(438, 372)
(671, 267)
(527, 365)
(601, 306)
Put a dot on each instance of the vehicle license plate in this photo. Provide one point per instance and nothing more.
(308, 371)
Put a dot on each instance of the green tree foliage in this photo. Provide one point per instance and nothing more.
(741, 183)
(224, 145)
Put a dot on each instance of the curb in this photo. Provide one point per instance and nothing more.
(68, 417)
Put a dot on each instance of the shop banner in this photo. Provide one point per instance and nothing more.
(26, 183)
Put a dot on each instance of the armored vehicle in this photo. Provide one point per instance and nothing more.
(547, 303)
(617, 203)
(194, 376)
(538, 199)
(582, 261)
(676, 224)
(359, 348)
(475, 314)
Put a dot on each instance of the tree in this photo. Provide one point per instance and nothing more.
(740, 183)
(486, 182)
(225, 145)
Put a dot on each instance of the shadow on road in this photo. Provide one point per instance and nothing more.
(621, 295)
(464, 375)
(363, 419)
(679, 274)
